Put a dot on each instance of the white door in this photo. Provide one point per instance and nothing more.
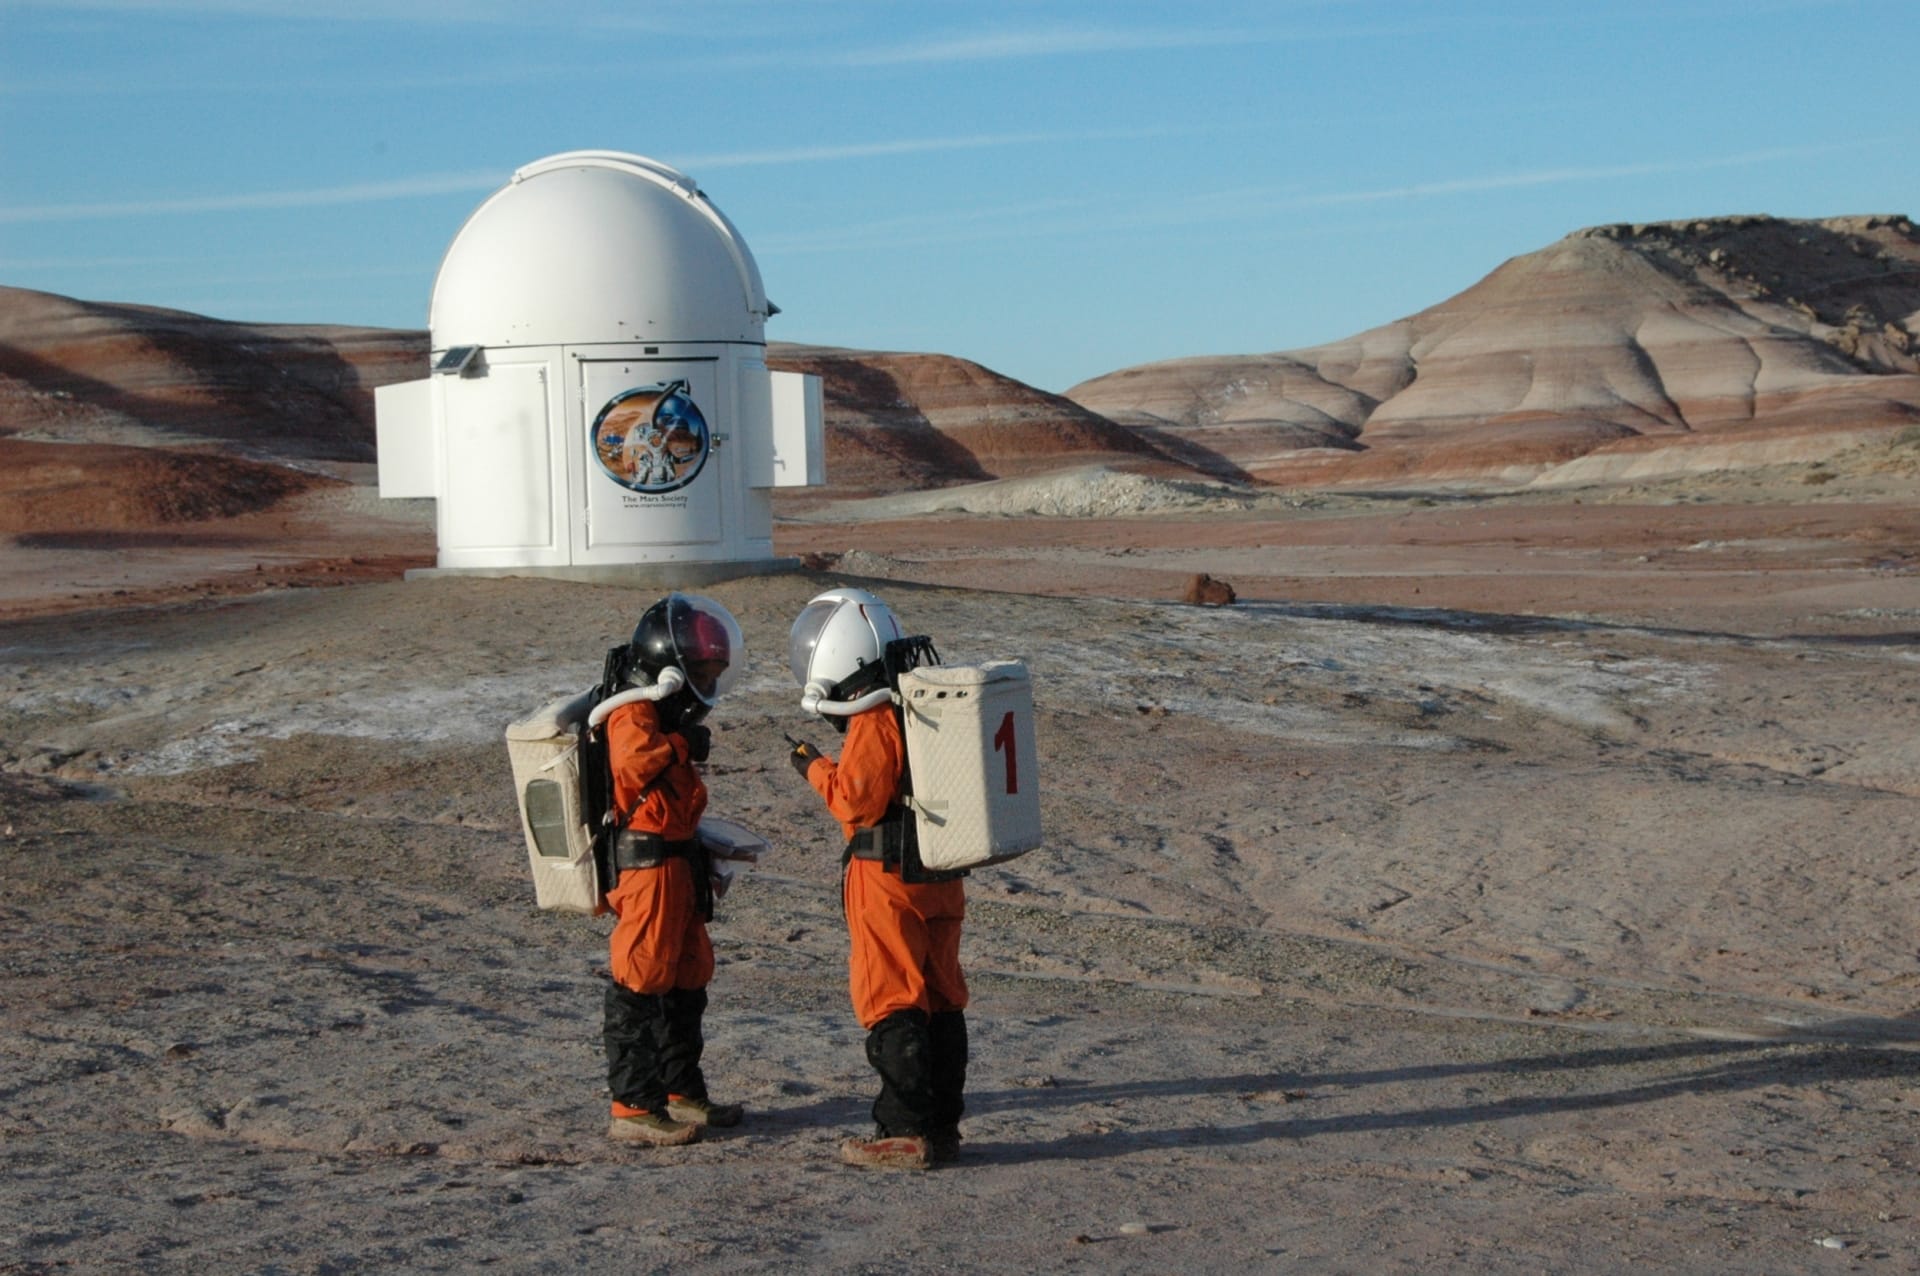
(653, 477)
(497, 491)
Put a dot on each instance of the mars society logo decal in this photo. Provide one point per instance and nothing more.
(652, 438)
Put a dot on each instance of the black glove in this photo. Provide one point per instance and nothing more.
(802, 757)
(699, 738)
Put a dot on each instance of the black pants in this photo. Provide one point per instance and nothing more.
(654, 1045)
(922, 1062)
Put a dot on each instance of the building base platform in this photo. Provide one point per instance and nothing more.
(642, 575)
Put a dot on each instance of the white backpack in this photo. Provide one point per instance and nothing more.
(560, 775)
(975, 768)
(547, 750)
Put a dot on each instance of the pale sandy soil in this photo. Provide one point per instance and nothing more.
(1503, 886)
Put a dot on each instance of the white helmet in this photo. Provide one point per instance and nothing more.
(839, 636)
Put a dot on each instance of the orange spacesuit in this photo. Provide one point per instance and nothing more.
(659, 954)
(659, 942)
(904, 961)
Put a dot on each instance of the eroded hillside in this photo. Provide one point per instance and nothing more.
(898, 420)
(1615, 341)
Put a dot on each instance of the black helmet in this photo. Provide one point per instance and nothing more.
(693, 634)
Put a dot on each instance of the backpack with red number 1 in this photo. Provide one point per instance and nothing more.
(976, 775)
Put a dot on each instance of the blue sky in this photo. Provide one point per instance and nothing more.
(1055, 190)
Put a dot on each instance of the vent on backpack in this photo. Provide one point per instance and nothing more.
(547, 818)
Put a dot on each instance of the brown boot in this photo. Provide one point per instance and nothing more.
(703, 1111)
(901, 1152)
(654, 1129)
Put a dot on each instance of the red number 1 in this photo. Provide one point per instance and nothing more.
(1003, 739)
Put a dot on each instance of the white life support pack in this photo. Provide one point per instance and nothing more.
(976, 771)
(549, 753)
(545, 751)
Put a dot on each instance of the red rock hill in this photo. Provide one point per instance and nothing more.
(199, 396)
(897, 421)
(1614, 342)
(94, 372)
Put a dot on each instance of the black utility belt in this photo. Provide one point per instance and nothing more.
(870, 844)
(895, 844)
(633, 849)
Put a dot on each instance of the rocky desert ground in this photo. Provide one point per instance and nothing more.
(1518, 875)
(1507, 884)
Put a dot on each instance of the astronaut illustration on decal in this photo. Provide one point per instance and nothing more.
(652, 439)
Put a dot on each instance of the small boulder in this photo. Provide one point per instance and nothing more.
(1207, 591)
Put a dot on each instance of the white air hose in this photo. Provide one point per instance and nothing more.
(814, 700)
(671, 680)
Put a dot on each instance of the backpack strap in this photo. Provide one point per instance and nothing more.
(612, 820)
(895, 840)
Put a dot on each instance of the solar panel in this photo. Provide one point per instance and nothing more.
(456, 360)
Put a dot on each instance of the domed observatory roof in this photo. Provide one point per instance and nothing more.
(592, 247)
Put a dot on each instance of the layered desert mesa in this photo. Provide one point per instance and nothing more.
(1620, 351)
(900, 420)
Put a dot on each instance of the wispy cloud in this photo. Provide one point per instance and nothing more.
(912, 146)
(1561, 176)
(962, 225)
(999, 46)
(101, 84)
(439, 11)
(987, 41)
(353, 193)
(195, 273)
(581, 15)
(1036, 218)
(457, 183)
(27, 264)
(1096, 215)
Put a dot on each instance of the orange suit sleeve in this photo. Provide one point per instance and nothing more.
(866, 780)
(639, 751)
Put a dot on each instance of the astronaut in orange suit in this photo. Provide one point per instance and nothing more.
(904, 925)
(685, 652)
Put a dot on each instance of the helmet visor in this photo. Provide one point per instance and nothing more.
(707, 645)
(804, 638)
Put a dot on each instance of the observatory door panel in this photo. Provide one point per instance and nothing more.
(652, 477)
(497, 492)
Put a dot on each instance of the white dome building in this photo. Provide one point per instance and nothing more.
(599, 398)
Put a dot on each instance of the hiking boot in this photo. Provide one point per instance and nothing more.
(654, 1129)
(703, 1111)
(901, 1152)
(943, 1146)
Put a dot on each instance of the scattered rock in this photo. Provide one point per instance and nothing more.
(1206, 591)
